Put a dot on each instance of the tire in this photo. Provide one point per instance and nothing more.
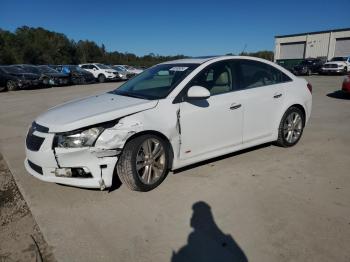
(129, 172)
(45, 81)
(101, 78)
(11, 85)
(290, 134)
(345, 71)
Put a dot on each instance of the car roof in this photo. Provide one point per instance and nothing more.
(192, 60)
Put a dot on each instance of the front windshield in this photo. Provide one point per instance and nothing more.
(101, 66)
(77, 68)
(338, 59)
(119, 68)
(156, 82)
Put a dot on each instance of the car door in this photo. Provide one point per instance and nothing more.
(215, 123)
(262, 96)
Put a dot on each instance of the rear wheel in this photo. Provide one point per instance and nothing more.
(11, 85)
(143, 164)
(291, 127)
(101, 78)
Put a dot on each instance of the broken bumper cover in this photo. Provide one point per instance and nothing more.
(59, 165)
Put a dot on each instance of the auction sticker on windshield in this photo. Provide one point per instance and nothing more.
(178, 68)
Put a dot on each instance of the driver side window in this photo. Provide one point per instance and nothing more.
(216, 78)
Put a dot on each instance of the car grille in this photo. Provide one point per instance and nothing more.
(35, 167)
(331, 66)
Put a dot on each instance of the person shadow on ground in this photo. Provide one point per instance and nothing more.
(207, 243)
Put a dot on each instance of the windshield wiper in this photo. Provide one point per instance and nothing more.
(130, 95)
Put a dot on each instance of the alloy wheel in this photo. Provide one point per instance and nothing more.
(150, 161)
(292, 127)
(11, 85)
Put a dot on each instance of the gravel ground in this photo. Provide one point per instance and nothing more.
(20, 236)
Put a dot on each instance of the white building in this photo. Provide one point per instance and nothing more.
(325, 44)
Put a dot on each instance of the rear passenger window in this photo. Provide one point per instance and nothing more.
(254, 74)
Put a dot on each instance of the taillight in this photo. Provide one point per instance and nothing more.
(309, 86)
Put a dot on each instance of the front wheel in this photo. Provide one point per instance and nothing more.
(291, 127)
(345, 72)
(11, 85)
(101, 78)
(143, 164)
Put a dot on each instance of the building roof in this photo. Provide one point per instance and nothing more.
(313, 33)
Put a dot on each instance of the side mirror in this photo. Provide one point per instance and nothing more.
(198, 93)
(94, 69)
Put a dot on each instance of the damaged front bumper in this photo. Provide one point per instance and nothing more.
(88, 167)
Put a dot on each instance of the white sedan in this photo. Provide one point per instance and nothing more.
(172, 115)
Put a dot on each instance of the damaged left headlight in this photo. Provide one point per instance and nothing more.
(81, 138)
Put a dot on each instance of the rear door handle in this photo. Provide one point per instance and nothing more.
(235, 106)
(277, 95)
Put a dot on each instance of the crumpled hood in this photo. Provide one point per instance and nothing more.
(92, 110)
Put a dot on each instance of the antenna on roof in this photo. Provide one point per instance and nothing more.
(245, 46)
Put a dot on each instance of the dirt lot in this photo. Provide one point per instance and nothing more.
(263, 204)
(21, 239)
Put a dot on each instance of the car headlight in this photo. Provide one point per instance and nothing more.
(340, 65)
(82, 138)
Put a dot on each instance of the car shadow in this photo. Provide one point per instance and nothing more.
(215, 159)
(339, 95)
(207, 242)
(116, 183)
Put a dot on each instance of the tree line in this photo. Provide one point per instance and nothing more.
(28, 45)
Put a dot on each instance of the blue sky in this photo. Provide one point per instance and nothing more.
(177, 27)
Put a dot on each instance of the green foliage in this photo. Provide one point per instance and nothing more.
(28, 45)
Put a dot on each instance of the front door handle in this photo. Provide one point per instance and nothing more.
(277, 95)
(235, 106)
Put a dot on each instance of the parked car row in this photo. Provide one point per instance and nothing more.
(337, 65)
(13, 77)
